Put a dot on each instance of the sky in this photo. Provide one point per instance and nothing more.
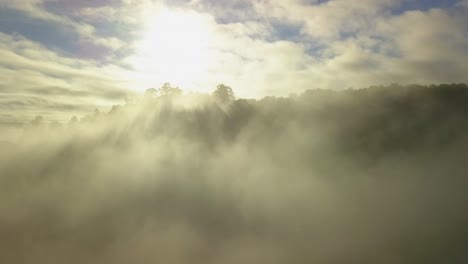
(60, 58)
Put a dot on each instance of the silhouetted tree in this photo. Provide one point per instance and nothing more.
(38, 120)
(224, 94)
(114, 109)
(73, 120)
(151, 92)
(168, 90)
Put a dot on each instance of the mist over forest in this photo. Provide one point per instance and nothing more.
(375, 175)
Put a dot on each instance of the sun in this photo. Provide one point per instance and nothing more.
(175, 46)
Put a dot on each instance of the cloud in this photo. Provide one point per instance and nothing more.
(72, 83)
(432, 46)
(367, 44)
(227, 11)
(86, 32)
(326, 21)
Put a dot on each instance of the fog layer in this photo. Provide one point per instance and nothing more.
(361, 176)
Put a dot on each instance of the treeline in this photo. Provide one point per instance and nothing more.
(376, 120)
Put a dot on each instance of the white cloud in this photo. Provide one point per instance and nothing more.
(33, 71)
(35, 9)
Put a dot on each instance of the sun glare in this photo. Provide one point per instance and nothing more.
(175, 46)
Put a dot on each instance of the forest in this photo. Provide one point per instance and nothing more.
(374, 175)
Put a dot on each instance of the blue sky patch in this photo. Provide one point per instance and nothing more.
(286, 31)
(423, 5)
(51, 35)
(61, 38)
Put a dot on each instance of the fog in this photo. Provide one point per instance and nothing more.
(374, 175)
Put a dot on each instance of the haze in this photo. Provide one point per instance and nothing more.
(233, 131)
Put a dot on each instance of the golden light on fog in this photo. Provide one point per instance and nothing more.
(175, 46)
